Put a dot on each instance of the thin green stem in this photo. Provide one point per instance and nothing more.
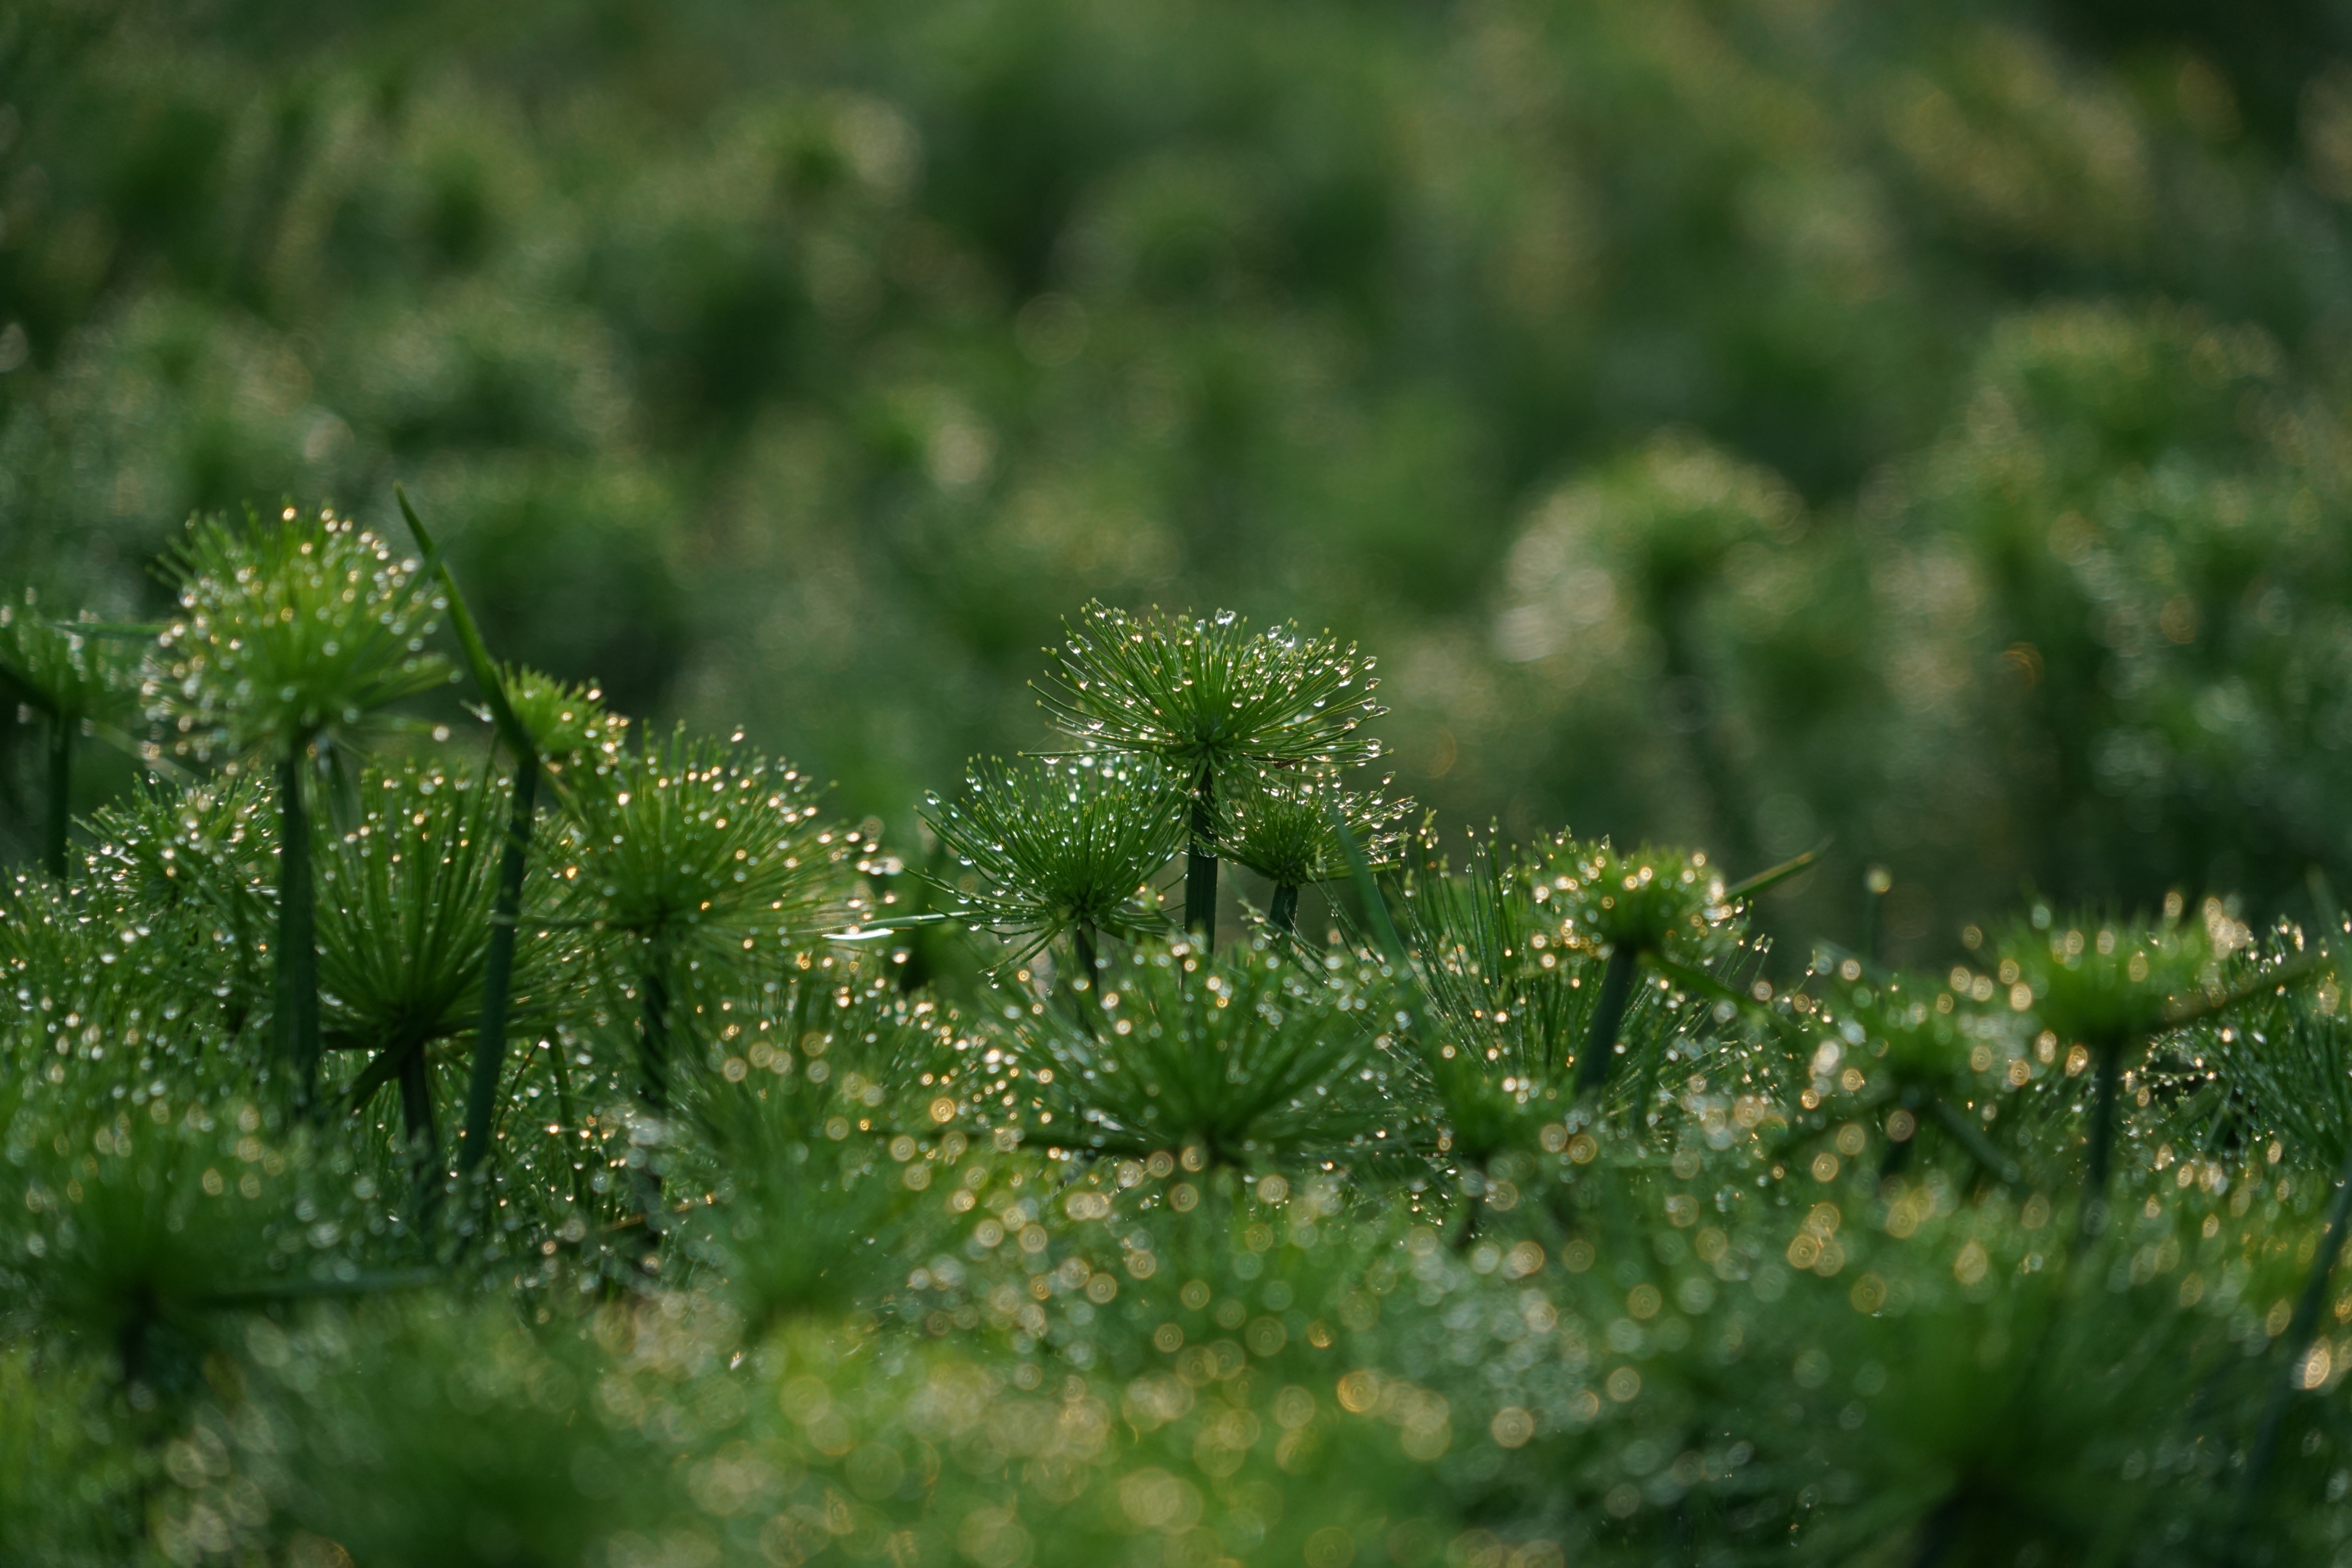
(1940, 1530)
(61, 729)
(1897, 1158)
(2102, 1139)
(652, 1067)
(296, 1022)
(652, 1043)
(424, 1133)
(1970, 1137)
(1376, 907)
(1466, 1228)
(1201, 861)
(498, 964)
(571, 1128)
(1608, 1018)
(497, 972)
(1085, 983)
(1282, 913)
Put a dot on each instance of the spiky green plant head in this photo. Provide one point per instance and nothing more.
(188, 870)
(1210, 692)
(2281, 1064)
(812, 1116)
(2105, 984)
(1915, 1031)
(67, 669)
(138, 980)
(289, 629)
(1505, 989)
(210, 843)
(806, 1228)
(405, 922)
(1054, 845)
(1249, 1056)
(141, 1215)
(569, 724)
(1681, 506)
(1286, 826)
(706, 838)
(1670, 903)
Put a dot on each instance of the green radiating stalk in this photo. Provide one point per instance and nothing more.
(1608, 1018)
(2102, 1139)
(1083, 984)
(296, 1024)
(1376, 907)
(1970, 1137)
(1201, 861)
(653, 1044)
(61, 729)
(1282, 910)
(569, 1113)
(424, 1133)
(497, 972)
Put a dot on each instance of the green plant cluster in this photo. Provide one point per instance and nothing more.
(1513, 1210)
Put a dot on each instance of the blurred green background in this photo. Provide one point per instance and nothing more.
(1753, 423)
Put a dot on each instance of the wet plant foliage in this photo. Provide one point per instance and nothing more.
(1321, 1242)
(1063, 846)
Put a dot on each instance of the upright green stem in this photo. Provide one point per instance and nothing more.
(1896, 1158)
(1471, 1195)
(654, 1042)
(654, 1088)
(571, 1123)
(2102, 1139)
(1970, 1136)
(1940, 1530)
(1201, 861)
(1608, 1016)
(1874, 910)
(61, 729)
(498, 963)
(295, 1024)
(1376, 907)
(1282, 913)
(424, 1133)
(1676, 616)
(497, 972)
(1089, 970)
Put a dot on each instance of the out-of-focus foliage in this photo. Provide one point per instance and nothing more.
(1752, 422)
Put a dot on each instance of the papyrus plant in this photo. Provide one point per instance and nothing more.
(1216, 702)
(290, 633)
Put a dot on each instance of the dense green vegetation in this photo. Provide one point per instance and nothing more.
(456, 1111)
(564, 1158)
(1747, 422)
